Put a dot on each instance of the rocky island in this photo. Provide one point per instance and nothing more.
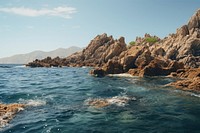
(177, 55)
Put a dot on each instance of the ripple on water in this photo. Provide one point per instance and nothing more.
(59, 98)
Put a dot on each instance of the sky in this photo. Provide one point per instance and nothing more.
(29, 25)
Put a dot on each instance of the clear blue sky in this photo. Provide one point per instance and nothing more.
(28, 25)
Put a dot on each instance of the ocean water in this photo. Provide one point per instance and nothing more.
(58, 103)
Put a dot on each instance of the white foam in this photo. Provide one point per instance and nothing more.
(196, 95)
(36, 103)
(120, 75)
(22, 66)
(33, 103)
(117, 100)
(120, 100)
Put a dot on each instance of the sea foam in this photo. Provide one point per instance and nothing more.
(33, 103)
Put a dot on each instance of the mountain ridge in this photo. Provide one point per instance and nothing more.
(39, 54)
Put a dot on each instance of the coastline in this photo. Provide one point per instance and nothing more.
(147, 56)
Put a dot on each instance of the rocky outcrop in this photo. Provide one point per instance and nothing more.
(48, 62)
(99, 51)
(190, 79)
(184, 46)
(151, 56)
(147, 56)
(8, 112)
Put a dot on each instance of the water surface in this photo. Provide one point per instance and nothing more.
(58, 97)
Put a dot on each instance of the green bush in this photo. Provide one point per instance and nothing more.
(151, 39)
(132, 43)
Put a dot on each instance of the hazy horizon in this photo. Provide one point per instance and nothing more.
(46, 25)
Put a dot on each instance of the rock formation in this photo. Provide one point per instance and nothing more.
(190, 79)
(99, 51)
(8, 111)
(149, 55)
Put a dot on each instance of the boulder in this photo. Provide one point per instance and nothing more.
(113, 67)
(144, 59)
(159, 52)
(183, 31)
(97, 72)
(156, 67)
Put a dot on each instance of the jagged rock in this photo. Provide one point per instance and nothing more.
(159, 52)
(160, 67)
(190, 79)
(194, 21)
(183, 31)
(188, 84)
(99, 51)
(98, 72)
(191, 61)
(144, 59)
(8, 112)
(113, 67)
(156, 67)
(134, 72)
(188, 73)
(128, 59)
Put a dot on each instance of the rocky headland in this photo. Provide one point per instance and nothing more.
(177, 55)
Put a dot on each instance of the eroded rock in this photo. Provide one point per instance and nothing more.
(8, 112)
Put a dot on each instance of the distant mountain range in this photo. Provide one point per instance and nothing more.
(25, 58)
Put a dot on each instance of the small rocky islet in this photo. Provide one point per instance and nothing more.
(177, 55)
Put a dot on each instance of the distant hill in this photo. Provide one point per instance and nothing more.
(25, 58)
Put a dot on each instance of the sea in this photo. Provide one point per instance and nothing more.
(59, 102)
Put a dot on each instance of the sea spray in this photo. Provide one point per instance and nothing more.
(103, 102)
(33, 103)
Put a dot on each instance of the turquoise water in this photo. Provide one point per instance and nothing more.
(58, 97)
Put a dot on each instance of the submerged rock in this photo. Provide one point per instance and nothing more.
(117, 100)
(8, 112)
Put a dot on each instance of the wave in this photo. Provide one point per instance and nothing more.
(103, 102)
(22, 66)
(33, 103)
(120, 75)
(195, 95)
(5, 66)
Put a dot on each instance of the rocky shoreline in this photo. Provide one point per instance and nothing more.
(177, 55)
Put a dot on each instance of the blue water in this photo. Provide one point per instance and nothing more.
(59, 98)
